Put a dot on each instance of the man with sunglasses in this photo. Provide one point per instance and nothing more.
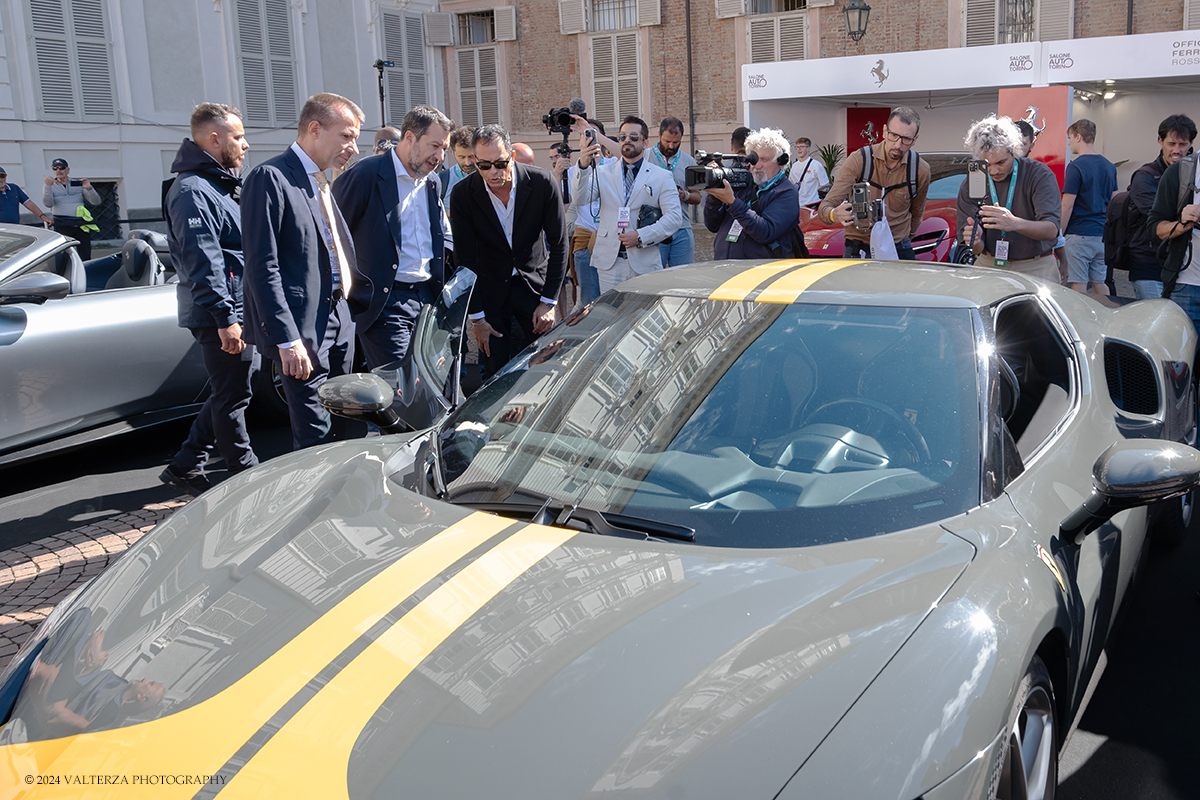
(500, 215)
(385, 139)
(393, 207)
(64, 197)
(893, 177)
(639, 206)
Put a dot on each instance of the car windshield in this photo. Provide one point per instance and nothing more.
(756, 424)
(13, 243)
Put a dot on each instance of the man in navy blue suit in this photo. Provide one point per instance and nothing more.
(299, 259)
(393, 208)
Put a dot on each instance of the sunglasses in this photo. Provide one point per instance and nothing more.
(484, 166)
(59, 169)
(633, 137)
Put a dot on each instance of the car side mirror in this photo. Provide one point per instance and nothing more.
(1129, 474)
(36, 287)
(365, 396)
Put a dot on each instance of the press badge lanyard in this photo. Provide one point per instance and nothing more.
(735, 230)
(659, 158)
(1002, 245)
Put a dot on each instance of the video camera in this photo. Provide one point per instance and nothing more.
(866, 211)
(558, 120)
(710, 171)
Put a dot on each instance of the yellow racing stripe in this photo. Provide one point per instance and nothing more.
(201, 739)
(742, 284)
(793, 284)
(321, 735)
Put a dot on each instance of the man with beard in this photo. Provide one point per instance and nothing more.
(760, 220)
(393, 208)
(1175, 136)
(893, 177)
(204, 232)
(639, 205)
(680, 249)
(512, 233)
(460, 146)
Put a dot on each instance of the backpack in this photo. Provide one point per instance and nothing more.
(914, 161)
(1120, 221)
(1176, 253)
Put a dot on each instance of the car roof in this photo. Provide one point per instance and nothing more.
(915, 284)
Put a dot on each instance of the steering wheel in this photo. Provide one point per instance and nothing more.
(878, 415)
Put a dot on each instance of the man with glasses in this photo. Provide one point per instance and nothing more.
(65, 197)
(511, 231)
(807, 173)
(639, 206)
(893, 176)
(394, 211)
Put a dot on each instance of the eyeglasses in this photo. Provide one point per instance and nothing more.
(384, 144)
(484, 166)
(907, 141)
(633, 137)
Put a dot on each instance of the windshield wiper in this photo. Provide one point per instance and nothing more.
(604, 523)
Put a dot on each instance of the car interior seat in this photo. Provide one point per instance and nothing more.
(156, 240)
(70, 266)
(140, 266)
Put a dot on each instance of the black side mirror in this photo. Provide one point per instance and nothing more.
(36, 287)
(1129, 474)
(362, 395)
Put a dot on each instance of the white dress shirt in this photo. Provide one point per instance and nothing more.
(416, 244)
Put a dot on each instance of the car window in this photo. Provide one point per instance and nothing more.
(757, 424)
(945, 188)
(11, 244)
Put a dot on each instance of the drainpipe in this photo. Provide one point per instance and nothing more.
(687, 12)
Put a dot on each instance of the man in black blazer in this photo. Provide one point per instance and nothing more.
(510, 230)
(299, 260)
(393, 208)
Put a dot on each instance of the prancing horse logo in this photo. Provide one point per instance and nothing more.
(879, 73)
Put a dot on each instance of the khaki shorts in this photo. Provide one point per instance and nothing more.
(1044, 267)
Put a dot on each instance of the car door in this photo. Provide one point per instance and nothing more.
(88, 359)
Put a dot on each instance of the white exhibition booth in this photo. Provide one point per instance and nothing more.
(1150, 76)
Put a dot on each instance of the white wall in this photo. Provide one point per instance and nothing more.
(1127, 126)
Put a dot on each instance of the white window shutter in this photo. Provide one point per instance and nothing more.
(403, 43)
(95, 66)
(506, 23)
(414, 62)
(731, 8)
(439, 29)
(980, 22)
(792, 32)
(478, 86)
(72, 57)
(649, 12)
(468, 87)
(604, 80)
(257, 107)
(52, 57)
(1191, 15)
(763, 38)
(489, 87)
(1055, 20)
(283, 69)
(572, 16)
(629, 101)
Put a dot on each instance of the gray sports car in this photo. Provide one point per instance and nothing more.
(87, 350)
(765, 530)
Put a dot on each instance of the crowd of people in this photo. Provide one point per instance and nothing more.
(313, 251)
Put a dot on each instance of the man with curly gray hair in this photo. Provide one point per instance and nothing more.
(1021, 209)
(761, 220)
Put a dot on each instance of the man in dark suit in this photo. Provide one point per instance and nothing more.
(393, 208)
(510, 230)
(299, 257)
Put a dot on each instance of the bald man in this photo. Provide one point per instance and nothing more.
(523, 154)
(385, 140)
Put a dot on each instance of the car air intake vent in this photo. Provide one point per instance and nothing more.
(1131, 382)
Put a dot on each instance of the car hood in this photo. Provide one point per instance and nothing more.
(320, 631)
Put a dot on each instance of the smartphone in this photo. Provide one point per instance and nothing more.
(590, 135)
(860, 203)
(977, 179)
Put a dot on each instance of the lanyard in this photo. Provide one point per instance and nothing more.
(769, 184)
(658, 157)
(1012, 186)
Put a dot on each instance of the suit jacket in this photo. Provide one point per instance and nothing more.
(481, 246)
(653, 186)
(369, 199)
(288, 285)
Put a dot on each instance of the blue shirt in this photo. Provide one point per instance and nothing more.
(10, 203)
(1092, 179)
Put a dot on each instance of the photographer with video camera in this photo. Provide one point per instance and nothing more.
(759, 218)
(639, 205)
(1009, 208)
(892, 173)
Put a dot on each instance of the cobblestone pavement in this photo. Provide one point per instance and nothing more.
(35, 577)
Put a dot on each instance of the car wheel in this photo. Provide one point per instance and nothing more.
(1172, 519)
(1029, 761)
(267, 400)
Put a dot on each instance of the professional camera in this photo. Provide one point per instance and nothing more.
(710, 171)
(866, 211)
(558, 120)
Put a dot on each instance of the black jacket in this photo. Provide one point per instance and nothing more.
(1144, 264)
(204, 231)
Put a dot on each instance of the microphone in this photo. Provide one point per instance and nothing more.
(577, 106)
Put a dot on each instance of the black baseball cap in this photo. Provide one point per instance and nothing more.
(58, 162)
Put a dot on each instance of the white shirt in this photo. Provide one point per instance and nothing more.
(814, 179)
(505, 211)
(416, 243)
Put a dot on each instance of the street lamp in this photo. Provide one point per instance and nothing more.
(857, 13)
(379, 65)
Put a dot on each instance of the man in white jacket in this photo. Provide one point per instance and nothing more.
(631, 191)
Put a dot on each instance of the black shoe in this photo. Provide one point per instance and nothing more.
(195, 485)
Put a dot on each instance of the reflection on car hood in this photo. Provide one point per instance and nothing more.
(317, 614)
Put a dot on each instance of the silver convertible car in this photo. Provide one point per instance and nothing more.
(87, 350)
(800, 529)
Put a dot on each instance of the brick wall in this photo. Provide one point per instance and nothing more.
(714, 67)
(894, 26)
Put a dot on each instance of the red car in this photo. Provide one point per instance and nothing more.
(935, 236)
